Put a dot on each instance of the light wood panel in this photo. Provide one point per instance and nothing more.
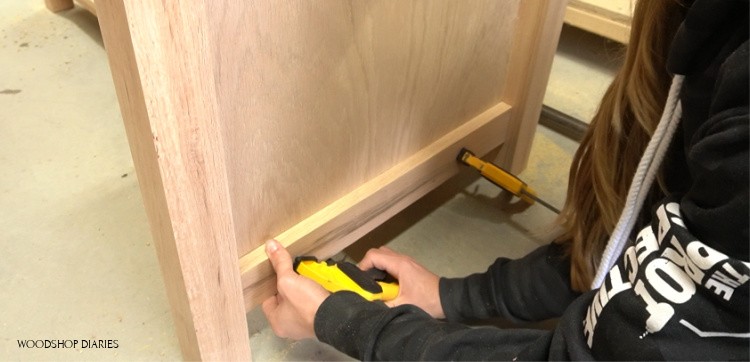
(317, 98)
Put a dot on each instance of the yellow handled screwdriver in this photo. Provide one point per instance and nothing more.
(503, 179)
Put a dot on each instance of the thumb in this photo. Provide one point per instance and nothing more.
(279, 257)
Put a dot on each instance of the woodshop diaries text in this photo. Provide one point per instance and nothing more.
(68, 343)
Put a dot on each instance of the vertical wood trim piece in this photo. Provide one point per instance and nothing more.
(534, 46)
(349, 218)
(170, 118)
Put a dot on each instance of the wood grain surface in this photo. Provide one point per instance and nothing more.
(317, 98)
(168, 104)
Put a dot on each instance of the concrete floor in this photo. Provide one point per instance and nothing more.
(79, 263)
(583, 68)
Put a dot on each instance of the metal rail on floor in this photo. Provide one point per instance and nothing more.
(563, 123)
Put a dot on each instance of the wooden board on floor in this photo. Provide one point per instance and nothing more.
(312, 122)
(608, 18)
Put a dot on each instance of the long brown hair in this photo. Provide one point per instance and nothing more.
(608, 156)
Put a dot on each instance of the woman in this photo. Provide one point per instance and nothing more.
(668, 282)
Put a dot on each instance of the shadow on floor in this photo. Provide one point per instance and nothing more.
(84, 20)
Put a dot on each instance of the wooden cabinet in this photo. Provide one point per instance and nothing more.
(308, 121)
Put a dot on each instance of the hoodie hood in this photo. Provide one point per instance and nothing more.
(710, 26)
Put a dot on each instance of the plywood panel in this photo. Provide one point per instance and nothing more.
(316, 98)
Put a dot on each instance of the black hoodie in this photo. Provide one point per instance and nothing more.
(680, 289)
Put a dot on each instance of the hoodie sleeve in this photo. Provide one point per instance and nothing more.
(533, 288)
(371, 331)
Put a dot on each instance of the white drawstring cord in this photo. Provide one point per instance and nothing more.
(644, 176)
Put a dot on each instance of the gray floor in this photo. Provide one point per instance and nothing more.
(78, 260)
(583, 68)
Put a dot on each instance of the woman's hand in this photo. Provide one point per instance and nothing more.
(291, 312)
(417, 285)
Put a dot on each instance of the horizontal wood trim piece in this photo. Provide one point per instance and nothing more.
(617, 10)
(349, 218)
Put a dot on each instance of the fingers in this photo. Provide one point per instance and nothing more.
(271, 310)
(368, 261)
(279, 257)
(382, 258)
